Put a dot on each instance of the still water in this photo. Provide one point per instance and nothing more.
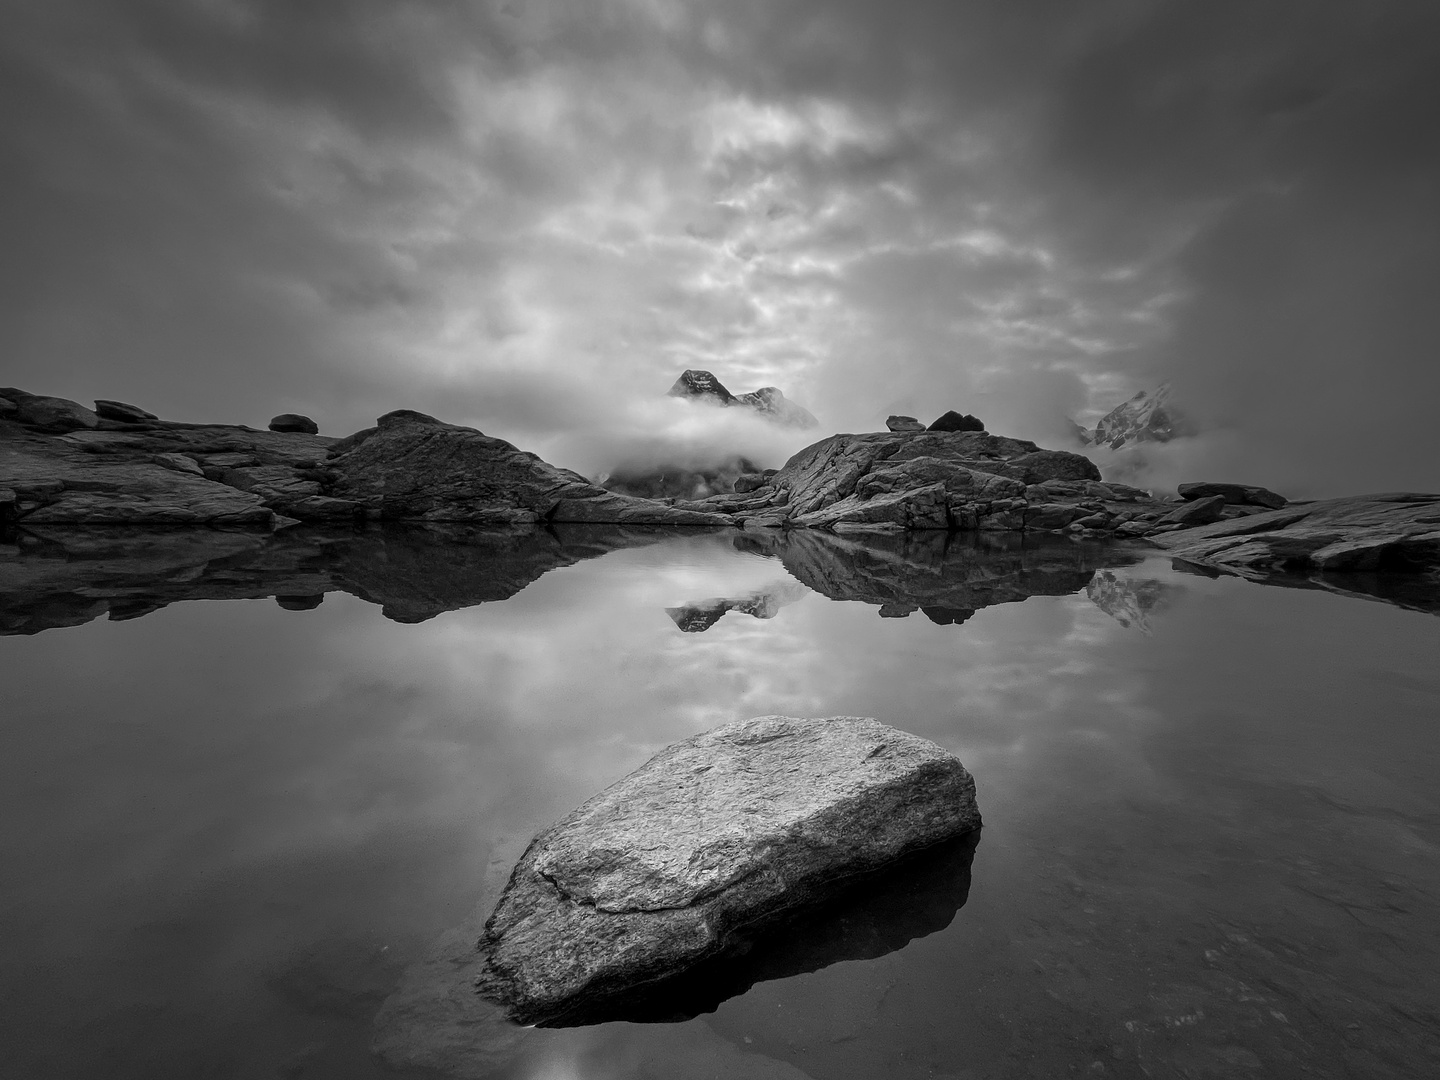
(242, 840)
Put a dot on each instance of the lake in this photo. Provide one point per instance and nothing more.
(245, 838)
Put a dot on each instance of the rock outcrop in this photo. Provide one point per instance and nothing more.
(1399, 531)
(412, 467)
(768, 401)
(67, 465)
(889, 480)
(708, 841)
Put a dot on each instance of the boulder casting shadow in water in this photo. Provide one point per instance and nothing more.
(867, 917)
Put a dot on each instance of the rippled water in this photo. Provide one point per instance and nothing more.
(246, 841)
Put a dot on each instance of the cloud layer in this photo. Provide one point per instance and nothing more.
(530, 215)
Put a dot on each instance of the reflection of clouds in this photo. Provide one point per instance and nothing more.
(223, 794)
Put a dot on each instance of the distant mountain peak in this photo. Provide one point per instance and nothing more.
(768, 401)
(1149, 416)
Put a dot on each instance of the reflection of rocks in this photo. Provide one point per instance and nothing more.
(945, 577)
(1130, 601)
(72, 576)
(712, 837)
(870, 916)
(700, 615)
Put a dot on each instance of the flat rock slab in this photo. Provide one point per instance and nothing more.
(709, 839)
(1368, 532)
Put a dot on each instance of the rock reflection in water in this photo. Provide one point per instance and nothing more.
(69, 577)
(945, 576)
(865, 918)
(699, 615)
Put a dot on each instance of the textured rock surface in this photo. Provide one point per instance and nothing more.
(903, 423)
(927, 480)
(415, 468)
(712, 836)
(1399, 531)
(69, 467)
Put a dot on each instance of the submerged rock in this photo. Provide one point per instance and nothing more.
(712, 838)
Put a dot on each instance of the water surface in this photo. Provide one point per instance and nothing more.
(233, 830)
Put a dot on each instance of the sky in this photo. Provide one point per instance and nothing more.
(531, 216)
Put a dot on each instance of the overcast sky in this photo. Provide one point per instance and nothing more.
(527, 215)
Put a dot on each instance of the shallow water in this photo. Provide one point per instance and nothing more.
(233, 832)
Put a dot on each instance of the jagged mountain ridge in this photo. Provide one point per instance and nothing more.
(1149, 416)
(769, 401)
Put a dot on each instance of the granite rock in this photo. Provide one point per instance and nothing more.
(903, 423)
(712, 837)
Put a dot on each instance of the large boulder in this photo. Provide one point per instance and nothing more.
(924, 480)
(712, 837)
(903, 423)
(294, 422)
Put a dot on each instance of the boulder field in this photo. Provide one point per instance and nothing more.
(710, 839)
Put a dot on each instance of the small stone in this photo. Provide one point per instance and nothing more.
(294, 422)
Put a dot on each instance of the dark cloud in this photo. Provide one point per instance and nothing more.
(528, 215)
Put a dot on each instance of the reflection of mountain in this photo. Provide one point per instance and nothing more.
(946, 577)
(413, 573)
(1130, 601)
(699, 615)
(867, 917)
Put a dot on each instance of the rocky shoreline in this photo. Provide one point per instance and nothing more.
(63, 465)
